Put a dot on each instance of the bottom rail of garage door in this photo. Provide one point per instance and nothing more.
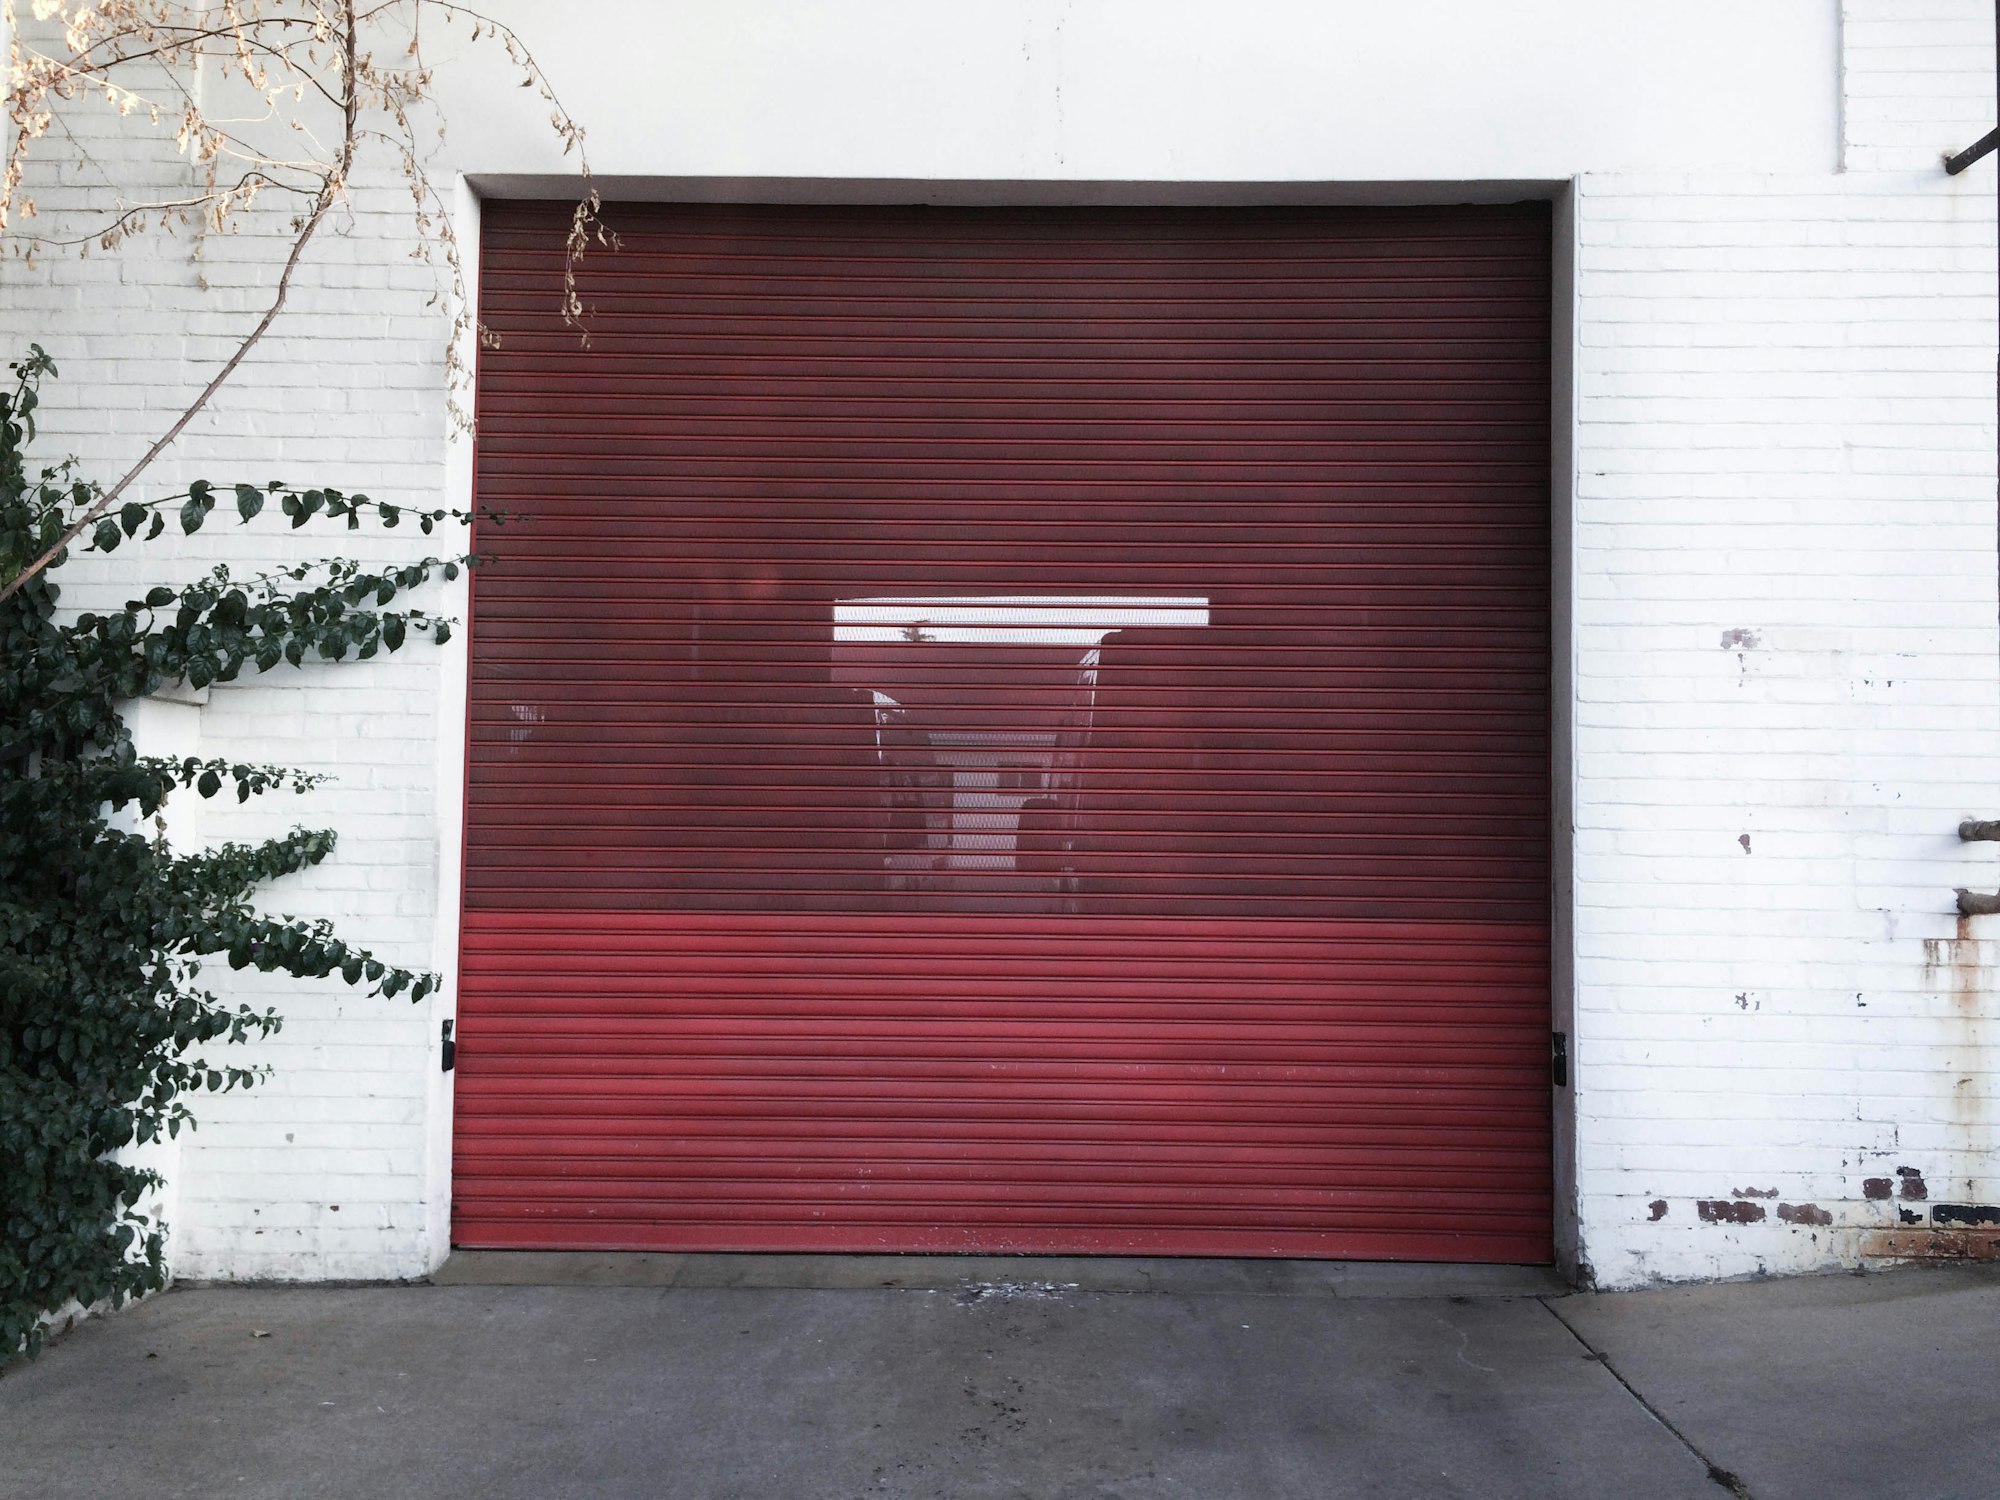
(1352, 1089)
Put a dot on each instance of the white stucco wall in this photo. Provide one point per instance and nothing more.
(1780, 528)
(1176, 90)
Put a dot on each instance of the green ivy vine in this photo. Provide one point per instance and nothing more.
(105, 929)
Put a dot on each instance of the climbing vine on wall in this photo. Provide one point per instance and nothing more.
(107, 1027)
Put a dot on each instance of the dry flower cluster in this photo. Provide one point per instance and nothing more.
(308, 85)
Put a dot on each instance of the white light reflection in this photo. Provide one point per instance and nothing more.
(1009, 619)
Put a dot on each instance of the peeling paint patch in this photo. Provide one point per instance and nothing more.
(1753, 1192)
(1913, 1189)
(1971, 1215)
(1804, 1213)
(1656, 1210)
(1741, 640)
(1744, 840)
(1876, 1188)
(1909, 1216)
(1722, 1211)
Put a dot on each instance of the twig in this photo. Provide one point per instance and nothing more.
(330, 191)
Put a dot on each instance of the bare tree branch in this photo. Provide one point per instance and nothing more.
(139, 57)
(334, 186)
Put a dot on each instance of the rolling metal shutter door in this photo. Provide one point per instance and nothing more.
(1012, 731)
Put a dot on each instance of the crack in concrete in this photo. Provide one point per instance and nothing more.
(1729, 1481)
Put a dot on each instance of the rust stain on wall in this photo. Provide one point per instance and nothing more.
(1804, 1213)
(1656, 1210)
(1955, 971)
(1723, 1211)
(1753, 1192)
(1875, 1189)
(1931, 1244)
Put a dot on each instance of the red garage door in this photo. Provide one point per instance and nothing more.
(1012, 731)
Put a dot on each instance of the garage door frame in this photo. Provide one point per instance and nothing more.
(453, 704)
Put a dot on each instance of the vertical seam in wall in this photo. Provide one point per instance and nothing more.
(453, 730)
(1840, 88)
(1562, 703)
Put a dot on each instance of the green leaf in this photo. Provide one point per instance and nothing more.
(159, 525)
(249, 501)
(209, 784)
(193, 513)
(131, 515)
(158, 596)
(107, 535)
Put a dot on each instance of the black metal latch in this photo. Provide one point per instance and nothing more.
(450, 1049)
(1559, 1059)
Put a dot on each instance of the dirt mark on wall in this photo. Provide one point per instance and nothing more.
(1955, 971)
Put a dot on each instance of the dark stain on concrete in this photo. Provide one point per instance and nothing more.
(1804, 1213)
(1656, 1210)
(1753, 1192)
(1740, 640)
(1913, 1189)
(1970, 1215)
(1722, 1211)
(1876, 1188)
(1744, 840)
(1909, 1216)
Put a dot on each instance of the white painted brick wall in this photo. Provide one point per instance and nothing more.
(1784, 530)
(1784, 425)
(325, 1170)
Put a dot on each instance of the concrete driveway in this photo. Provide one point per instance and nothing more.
(801, 1378)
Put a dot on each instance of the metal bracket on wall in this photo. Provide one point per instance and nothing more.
(1985, 144)
(1978, 903)
(450, 1050)
(1559, 1059)
(1981, 147)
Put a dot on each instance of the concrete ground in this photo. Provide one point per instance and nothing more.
(813, 1378)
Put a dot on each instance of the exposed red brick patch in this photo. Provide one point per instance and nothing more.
(1804, 1213)
(1722, 1211)
(1931, 1244)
